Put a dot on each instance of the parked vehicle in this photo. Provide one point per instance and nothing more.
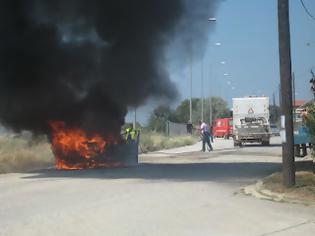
(302, 141)
(274, 130)
(223, 128)
(251, 120)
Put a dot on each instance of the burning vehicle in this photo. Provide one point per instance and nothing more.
(75, 149)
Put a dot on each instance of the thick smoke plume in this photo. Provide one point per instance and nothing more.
(85, 61)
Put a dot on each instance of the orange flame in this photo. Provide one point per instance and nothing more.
(74, 149)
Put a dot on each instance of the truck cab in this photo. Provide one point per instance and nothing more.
(223, 128)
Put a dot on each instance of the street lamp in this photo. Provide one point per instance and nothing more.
(190, 81)
(202, 97)
(210, 19)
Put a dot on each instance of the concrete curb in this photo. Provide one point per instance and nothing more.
(257, 190)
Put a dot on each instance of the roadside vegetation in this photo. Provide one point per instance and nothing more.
(310, 122)
(310, 125)
(152, 141)
(302, 192)
(18, 153)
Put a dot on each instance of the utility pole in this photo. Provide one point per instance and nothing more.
(210, 97)
(293, 98)
(279, 90)
(135, 118)
(190, 81)
(211, 19)
(288, 165)
(273, 99)
(210, 110)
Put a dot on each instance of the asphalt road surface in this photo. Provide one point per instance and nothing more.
(175, 192)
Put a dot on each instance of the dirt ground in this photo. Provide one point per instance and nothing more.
(303, 191)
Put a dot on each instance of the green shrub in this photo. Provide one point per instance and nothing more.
(310, 124)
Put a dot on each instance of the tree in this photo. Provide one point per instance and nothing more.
(310, 124)
(181, 113)
(219, 110)
(158, 118)
(275, 113)
(163, 113)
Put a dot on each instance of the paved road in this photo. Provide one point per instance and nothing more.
(175, 192)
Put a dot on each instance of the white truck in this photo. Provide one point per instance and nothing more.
(251, 120)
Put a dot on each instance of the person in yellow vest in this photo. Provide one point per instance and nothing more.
(130, 134)
(134, 134)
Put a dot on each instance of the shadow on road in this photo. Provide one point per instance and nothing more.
(249, 145)
(178, 172)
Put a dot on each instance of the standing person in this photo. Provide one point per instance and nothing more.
(211, 133)
(128, 133)
(205, 133)
(189, 127)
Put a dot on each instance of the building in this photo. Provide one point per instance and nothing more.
(298, 108)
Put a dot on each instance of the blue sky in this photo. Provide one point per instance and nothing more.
(247, 31)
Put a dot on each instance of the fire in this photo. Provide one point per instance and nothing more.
(75, 149)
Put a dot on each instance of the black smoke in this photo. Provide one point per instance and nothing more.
(85, 61)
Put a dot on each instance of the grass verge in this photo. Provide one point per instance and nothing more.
(150, 141)
(303, 191)
(20, 154)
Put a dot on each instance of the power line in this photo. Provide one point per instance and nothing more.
(307, 11)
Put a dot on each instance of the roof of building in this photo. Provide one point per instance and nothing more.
(299, 103)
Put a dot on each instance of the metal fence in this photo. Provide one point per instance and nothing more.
(175, 129)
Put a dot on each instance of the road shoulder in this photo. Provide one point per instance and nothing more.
(268, 189)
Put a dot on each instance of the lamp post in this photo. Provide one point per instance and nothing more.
(202, 97)
(211, 19)
(190, 81)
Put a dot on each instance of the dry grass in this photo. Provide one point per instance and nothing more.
(151, 141)
(19, 153)
(304, 190)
